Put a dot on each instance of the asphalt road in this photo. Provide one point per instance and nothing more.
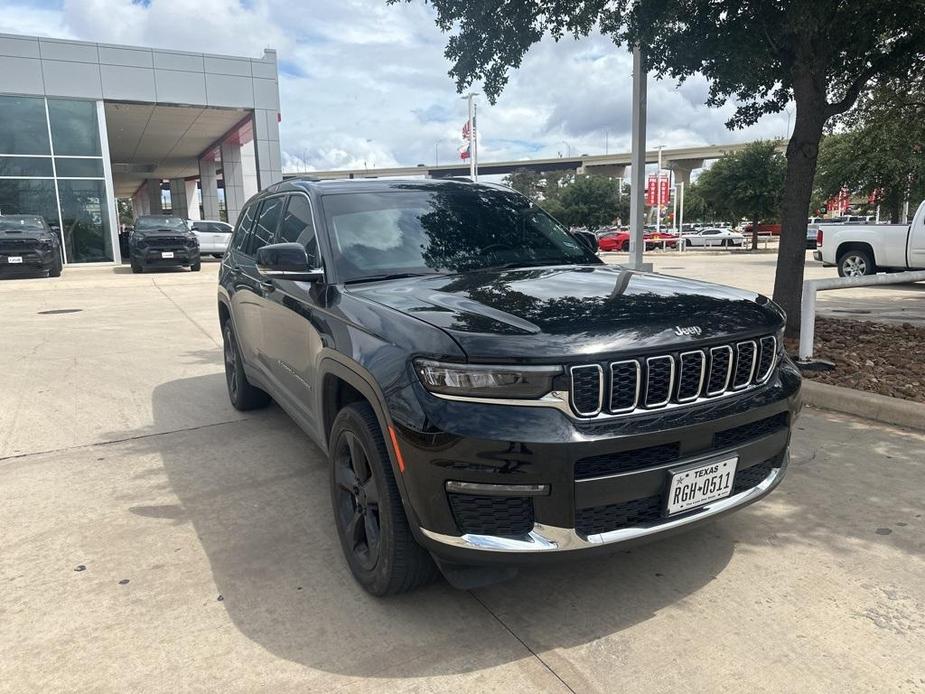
(154, 539)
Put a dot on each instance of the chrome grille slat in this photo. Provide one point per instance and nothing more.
(659, 381)
(625, 384)
(585, 400)
(690, 379)
(669, 380)
(746, 358)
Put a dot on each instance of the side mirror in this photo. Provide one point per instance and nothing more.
(287, 261)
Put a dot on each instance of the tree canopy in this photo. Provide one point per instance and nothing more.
(878, 150)
(821, 54)
(747, 184)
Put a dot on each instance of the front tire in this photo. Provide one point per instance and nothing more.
(856, 263)
(374, 533)
(242, 394)
(137, 269)
(196, 267)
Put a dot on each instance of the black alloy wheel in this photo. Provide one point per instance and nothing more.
(373, 529)
(356, 501)
(242, 394)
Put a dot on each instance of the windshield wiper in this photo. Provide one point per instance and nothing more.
(392, 276)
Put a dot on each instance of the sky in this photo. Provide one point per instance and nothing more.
(365, 84)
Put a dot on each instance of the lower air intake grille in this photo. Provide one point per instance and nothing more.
(626, 461)
(603, 519)
(505, 516)
(749, 432)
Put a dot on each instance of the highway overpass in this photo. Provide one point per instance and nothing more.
(681, 160)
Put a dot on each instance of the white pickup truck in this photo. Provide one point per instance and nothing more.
(867, 248)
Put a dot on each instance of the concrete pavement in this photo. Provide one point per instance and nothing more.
(155, 539)
(897, 303)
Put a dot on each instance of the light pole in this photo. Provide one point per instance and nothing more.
(568, 147)
(638, 162)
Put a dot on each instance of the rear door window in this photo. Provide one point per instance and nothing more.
(242, 231)
(265, 227)
(297, 227)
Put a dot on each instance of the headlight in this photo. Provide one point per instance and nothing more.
(138, 240)
(481, 381)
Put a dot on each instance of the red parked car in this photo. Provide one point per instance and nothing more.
(620, 241)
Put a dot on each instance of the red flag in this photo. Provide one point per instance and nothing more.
(465, 131)
(464, 153)
(651, 190)
(663, 190)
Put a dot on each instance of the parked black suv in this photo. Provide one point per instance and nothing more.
(487, 390)
(160, 241)
(28, 245)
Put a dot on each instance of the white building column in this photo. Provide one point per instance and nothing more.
(178, 204)
(192, 199)
(249, 170)
(233, 175)
(208, 179)
(154, 196)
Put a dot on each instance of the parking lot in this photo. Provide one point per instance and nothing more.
(153, 538)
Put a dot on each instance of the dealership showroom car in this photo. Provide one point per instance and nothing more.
(28, 245)
(474, 421)
(159, 241)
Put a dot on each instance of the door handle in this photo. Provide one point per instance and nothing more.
(267, 285)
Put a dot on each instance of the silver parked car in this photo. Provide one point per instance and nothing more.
(713, 236)
(214, 236)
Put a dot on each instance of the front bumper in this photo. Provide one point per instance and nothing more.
(584, 506)
(153, 257)
(31, 260)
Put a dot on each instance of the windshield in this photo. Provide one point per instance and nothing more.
(148, 223)
(22, 224)
(422, 230)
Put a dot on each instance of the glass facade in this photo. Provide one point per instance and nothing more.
(51, 164)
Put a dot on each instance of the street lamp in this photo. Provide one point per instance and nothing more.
(568, 147)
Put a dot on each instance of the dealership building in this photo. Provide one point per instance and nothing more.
(83, 124)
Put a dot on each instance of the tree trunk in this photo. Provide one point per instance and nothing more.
(802, 152)
(754, 233)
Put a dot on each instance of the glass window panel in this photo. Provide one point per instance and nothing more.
(29, 196)
(23, 127)
(25, 166)
(79, 168)
(297, 227)
(74, 128)
(84, 214)
(265, 228)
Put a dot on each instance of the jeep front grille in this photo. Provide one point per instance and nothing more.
(678, 378)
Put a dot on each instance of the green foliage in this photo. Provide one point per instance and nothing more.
(748, 184)
(880, 148)
(582, 201)
(525, 182)
(126, 211)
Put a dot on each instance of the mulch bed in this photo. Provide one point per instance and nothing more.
(883, 358)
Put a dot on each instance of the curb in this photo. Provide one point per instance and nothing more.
(880, 408)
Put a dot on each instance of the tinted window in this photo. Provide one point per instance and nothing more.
(297, 227)
(23, 127)
(267, 220)
(74, 127)
(219, 228)
(245, 222)
(431, 229)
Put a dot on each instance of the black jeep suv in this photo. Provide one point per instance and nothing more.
(159, 241)
(28, 245)
(488, 392)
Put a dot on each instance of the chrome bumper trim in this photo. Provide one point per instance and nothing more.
(550, 538)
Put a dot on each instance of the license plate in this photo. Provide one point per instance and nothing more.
(15, 259)
(692, 487)
(166, 254)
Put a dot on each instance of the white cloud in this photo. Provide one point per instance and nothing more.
(365, 84)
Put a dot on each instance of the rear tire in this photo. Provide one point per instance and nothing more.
(242, 394)
(625, 247)
(374, 533)
(856, 263)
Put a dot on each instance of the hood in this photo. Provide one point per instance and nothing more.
(574, 311)
(41, 234)
(161, 231)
